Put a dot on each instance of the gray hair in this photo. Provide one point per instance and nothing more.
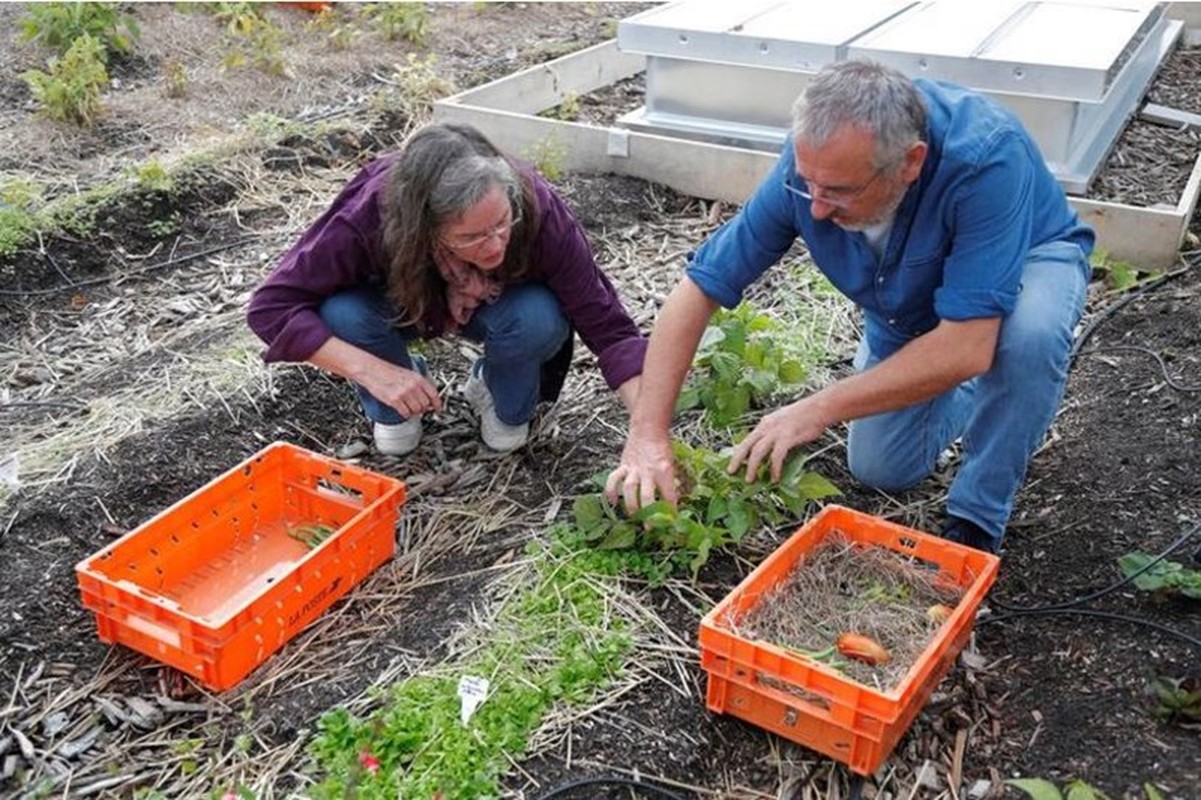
(464, 182)
(865, 95)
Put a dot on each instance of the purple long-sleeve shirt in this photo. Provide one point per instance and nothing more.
(344, 249)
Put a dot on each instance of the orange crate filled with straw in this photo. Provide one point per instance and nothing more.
(838, 638)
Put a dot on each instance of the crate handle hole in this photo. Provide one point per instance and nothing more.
(340, 489)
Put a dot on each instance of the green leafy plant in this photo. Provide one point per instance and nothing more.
(568, 110)
(717, 509)
(1042, 789)
(556, 639)
(72, 89)
(408, 21)
(340, 33)
(251, 39)
(19, 215)
(1178, 701)
(547, 156)
(1120, 276)
(175, 79)
(58, 25)
(741, 361)
(153, 176)
(414, 87)
(1164, 577)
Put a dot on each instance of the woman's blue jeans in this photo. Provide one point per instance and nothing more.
(1002, 415)
(524, 328)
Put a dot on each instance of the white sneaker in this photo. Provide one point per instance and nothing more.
(496, 434)
(398, 439)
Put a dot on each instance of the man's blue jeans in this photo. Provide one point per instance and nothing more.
(1002, 415)
(524, 328)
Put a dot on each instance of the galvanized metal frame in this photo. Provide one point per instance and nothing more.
(506, 110)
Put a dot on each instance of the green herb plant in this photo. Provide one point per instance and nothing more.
(175, 79)
(407, 21)
(71, 90)
(716, 510)
(251, 39)
(58, 25)
(1120, 276)
(20, 216)
(1167, 578)
(742, 360)
(548, 156)
(415, 85)
(1178, 701)
(339, 31)
(1042, 789)
(556, 639)
(568, 110)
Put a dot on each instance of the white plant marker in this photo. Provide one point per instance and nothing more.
(472, 691)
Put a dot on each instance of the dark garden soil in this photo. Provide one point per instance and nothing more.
(1058, 695)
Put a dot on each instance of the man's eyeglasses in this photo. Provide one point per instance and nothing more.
(475, 240)
(837, 197)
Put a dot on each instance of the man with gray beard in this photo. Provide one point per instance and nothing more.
(932, 209)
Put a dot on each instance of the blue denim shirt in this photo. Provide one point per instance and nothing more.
(958, 243)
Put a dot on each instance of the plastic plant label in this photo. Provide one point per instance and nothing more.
(472, 691)
(10, 469)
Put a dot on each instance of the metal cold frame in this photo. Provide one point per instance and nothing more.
(1073, 71)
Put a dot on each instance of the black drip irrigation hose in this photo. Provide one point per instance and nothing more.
(643, 787)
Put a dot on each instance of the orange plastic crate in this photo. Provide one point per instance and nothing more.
(809, 702)
(217, 582)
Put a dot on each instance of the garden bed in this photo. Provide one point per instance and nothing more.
(129, 380)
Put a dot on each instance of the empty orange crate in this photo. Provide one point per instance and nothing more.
(809, 702)
(218, 582)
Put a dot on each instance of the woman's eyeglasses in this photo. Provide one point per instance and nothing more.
(474, 240)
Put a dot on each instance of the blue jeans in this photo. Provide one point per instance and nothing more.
(1002, 415)
(521, 331)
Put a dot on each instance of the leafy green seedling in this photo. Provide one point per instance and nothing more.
(717, 509)
(1178, 701)
(1164, 577)
(742, 360)
(71, 90)
(58, 25)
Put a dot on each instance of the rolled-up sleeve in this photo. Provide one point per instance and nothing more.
(757, 237)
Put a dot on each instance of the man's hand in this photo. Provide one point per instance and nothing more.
(406, 390)
(776, 434)
(646, 466)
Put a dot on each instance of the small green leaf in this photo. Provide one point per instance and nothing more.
(791, 371)
(623, 535)
(738, 520)
(588, 511)
(1151, 792)
(1079, 790)
(1036, 788)
(690, 397)
(814, 487)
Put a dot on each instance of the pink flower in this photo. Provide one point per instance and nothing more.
(369, 762)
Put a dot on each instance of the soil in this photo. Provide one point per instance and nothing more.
(129, 382)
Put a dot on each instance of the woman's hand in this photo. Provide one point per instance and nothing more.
(406, 390)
